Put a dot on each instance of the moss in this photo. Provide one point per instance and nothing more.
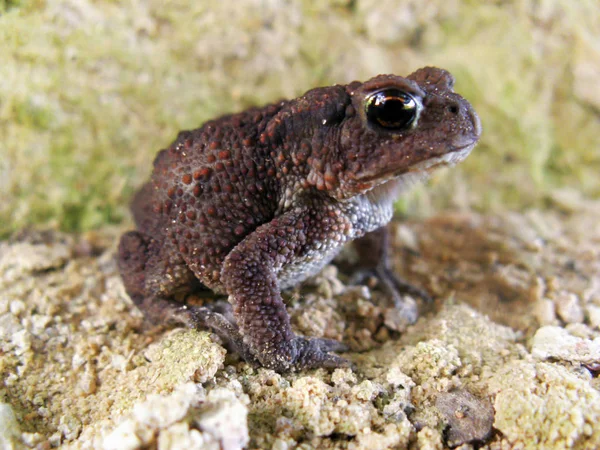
(91, 90)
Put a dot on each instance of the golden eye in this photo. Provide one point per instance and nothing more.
(391, 108)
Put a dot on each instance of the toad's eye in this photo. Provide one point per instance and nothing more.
(391, 108)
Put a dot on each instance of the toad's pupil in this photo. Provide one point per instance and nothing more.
(391, 108)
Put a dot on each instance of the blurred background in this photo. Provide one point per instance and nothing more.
(91, 90)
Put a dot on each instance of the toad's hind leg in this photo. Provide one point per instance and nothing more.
(152, 278)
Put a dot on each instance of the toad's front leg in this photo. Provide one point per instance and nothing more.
(288, 246)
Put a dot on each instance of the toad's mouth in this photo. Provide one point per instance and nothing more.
(446, 160)
(424, 168)
(387, 187)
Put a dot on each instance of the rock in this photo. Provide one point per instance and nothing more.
(558, 343)
(223, 419)
(187, 418)
(593, 312)
(568, 308)
(543, 405)
(469, 418)
(9, 428)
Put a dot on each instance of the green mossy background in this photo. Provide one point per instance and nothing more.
(90, 91)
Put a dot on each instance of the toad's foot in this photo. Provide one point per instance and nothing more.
(302, 353)
(315, 353)
(202, 317)
(397, 289)
(373, 249)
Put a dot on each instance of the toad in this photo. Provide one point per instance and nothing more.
(252, 203)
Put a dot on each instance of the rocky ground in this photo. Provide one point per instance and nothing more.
(508, 356)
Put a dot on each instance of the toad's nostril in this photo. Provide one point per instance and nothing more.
(453, 108)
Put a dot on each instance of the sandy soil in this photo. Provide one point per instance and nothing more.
(508, 355)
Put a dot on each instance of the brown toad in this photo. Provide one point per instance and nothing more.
(255, 202)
